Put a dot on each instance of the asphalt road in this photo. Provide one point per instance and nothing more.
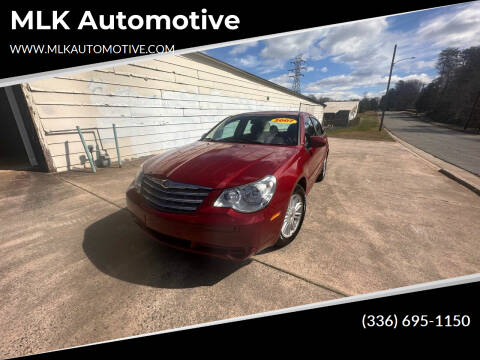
(457, 148)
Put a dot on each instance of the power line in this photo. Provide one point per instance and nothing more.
(297, 72)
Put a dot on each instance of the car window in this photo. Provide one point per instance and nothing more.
(227, 131)
(251, 123)
(317, 126)
(309, 131)
(275, 129)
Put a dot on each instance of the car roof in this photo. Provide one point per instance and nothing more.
(291, 113)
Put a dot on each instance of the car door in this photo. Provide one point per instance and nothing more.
(323, 150)
(314, 155)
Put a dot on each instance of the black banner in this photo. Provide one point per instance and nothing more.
(48, 45)
(447, 314)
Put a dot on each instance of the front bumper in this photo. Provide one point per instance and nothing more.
(218, 232)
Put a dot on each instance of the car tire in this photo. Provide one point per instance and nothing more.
(289, 232)
(324, 170)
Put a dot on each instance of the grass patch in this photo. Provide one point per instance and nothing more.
(367, 129)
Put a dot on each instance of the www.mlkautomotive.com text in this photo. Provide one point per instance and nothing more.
(90, 49)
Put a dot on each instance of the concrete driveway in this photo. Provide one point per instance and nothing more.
(75, 269)
(457, 148)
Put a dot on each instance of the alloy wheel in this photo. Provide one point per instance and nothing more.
(293, 216)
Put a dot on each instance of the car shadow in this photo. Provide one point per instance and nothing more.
(118, 247)
(267, 250)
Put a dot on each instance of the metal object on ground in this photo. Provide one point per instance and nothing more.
(85, 147)
(116, 145)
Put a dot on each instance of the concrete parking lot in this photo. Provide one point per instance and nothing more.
(75, 268)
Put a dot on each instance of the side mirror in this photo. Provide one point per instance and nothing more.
(317, 141)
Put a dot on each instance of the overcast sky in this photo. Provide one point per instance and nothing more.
(349, 60)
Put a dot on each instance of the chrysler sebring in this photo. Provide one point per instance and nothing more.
(239, 189)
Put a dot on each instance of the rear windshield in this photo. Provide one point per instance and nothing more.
(258, 129)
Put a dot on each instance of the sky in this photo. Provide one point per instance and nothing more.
(352, 60)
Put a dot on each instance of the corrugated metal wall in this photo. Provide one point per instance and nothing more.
(156, 105)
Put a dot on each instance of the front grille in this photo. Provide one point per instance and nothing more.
(169, 196)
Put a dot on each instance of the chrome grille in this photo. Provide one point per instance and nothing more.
(169, 196)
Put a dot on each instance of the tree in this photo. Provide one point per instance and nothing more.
(387, 101)
(374, 103)
(367, 104)
(402, 96)
(407, 93)
(448, 60)
(427, 97)
(323, 99)
(453, 96)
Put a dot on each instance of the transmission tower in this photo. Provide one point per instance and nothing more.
(297, 72)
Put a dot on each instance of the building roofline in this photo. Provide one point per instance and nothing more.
(200, 55)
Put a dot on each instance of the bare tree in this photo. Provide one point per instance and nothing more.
(453, 96)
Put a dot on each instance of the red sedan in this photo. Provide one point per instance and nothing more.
(238, 190)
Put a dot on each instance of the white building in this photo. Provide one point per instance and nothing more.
(156, 105)
(340, 113)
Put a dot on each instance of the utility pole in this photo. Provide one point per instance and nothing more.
(388, 87)
(297, 72)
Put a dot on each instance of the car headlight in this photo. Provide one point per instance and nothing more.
(138, 180)
(250, 197)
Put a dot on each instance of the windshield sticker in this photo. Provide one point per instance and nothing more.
(284, 120)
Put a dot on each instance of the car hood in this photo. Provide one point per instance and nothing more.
(220, 165)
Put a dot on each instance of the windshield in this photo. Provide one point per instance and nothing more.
(279, 129)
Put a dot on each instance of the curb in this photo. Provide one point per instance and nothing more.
(460, 181)
(470, 185)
